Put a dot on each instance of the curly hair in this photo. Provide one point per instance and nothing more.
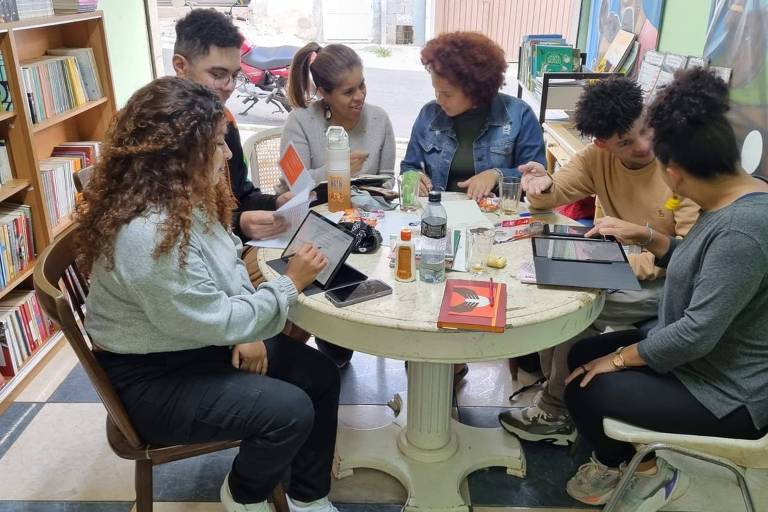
(468, 60)
(158, 156)
(609, 107)
(202, 28)
(690, 127)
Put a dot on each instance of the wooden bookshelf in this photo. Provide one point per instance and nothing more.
(30, 143)
(12, 188)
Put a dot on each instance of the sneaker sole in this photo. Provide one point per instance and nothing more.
(556, 439)
(590, 500)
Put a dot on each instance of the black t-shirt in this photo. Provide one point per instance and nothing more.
(467, 127)
(247, 195)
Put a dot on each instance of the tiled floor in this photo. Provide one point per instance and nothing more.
(54, 456)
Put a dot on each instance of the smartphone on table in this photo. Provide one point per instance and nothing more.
(358, 292)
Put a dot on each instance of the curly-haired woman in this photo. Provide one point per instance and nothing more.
(471, 134)
(704, 369)
(174, 317)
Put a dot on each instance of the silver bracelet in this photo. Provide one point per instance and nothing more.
(650, 236)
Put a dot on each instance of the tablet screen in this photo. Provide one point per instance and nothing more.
(579, 250)
(332, 240)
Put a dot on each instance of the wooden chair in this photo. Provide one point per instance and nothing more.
(262, 150)
(57, 264)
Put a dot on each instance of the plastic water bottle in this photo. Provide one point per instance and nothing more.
(338, 169)
(434, 229)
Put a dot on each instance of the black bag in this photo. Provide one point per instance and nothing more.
(367, 239)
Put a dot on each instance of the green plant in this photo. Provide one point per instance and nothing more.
(382, 51)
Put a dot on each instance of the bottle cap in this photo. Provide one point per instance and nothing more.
(435, 196)
(405, 234)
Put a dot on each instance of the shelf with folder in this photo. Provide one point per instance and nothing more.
(560, 90)
(23, 44)
(55, 120)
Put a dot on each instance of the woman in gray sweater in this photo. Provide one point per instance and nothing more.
(174, 318)
(327, 88)
(704, 369)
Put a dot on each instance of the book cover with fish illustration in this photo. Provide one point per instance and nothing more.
(473, 306)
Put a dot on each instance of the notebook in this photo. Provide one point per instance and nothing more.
(473, 306)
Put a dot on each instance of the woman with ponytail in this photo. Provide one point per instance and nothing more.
(327, 88)
(704, 369)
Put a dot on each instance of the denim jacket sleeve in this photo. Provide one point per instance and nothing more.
(529, 145)
(413, 154)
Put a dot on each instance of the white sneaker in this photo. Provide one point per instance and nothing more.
(230, 505)
(321, 505)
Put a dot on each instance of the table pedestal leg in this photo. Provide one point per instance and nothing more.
(431, 454)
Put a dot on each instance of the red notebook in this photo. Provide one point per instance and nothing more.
(473, 306)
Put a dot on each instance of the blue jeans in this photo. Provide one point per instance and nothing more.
(286, 420)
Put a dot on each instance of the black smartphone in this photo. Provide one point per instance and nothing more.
(358, 292)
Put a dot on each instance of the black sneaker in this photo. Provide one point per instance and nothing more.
(533, 424)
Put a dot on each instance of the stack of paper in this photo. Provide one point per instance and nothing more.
(73, 6)
(293, 213)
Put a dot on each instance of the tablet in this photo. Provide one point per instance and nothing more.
(579, 249)
(332, 240)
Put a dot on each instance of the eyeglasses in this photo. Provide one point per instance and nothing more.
(226, 79)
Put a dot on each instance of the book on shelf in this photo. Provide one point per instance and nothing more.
(9, 11)
(6, 101)
(528, 52)
(73, 6)
(672, 62)
(723, 73)
(59, 187)
(6, 171)
(617, 52)
(695, 62)
(473, 306)
(55, 84)
(24, 327)
(649, 72)
(17, 247)
(34, 8)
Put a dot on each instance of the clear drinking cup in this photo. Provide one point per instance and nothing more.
(509, 195)
(408, 190)
(480, 243)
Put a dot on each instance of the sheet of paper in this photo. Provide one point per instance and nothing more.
(294, 170)
(465, 214)
(394, 221)
(293, 212)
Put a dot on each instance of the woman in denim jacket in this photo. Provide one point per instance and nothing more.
(471, 134)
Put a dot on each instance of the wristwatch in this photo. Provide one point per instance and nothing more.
(618, 359)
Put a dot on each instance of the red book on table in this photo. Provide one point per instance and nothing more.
(473, 306)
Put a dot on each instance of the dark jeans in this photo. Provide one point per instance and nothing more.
(286, 419)
(641, 397)
(339, 355)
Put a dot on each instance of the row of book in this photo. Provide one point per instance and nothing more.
(6, 101)
(542, 53)
(64, 79)
(24, 327)
(14, 10)
(57, 174)
(658, 69)
(73, 6)
(6, 171)
(17, 245)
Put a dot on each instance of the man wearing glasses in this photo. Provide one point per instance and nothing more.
(207, 51)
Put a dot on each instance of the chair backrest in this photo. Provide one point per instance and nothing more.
(57, 264)
(262, 150)
(82, 177)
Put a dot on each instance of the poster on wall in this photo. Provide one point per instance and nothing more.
(609, 17)
(737, 38)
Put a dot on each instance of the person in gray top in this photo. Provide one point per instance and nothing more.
(704, 369)
(327, 88)
(174, 319)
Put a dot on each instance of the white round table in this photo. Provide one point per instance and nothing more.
(424, 448)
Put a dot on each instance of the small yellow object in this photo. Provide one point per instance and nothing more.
(497, 261)
(673, 203)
